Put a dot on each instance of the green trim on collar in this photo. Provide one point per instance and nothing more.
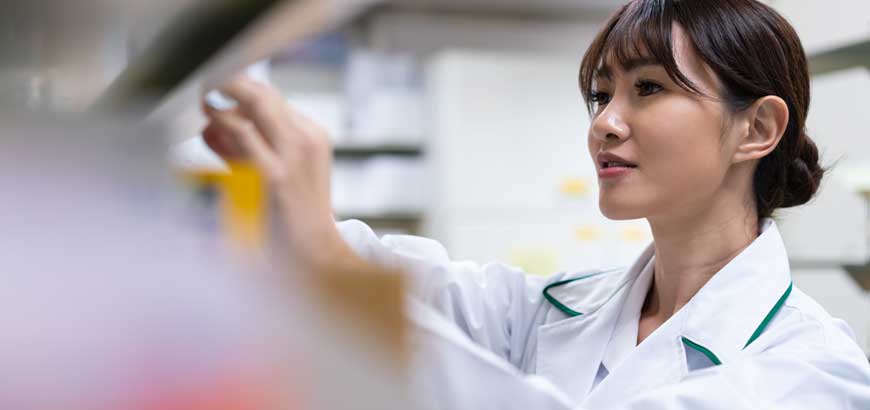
(770, 315)
(703, 350)
(559, 305)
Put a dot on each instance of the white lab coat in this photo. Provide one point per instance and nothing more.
(748, 339)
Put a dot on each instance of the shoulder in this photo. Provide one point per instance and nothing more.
(819, 328)
(805, 329)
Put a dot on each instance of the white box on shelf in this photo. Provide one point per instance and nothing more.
(389, 116)
(380, 186)
(329, 110)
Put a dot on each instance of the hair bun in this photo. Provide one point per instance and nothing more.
(804, 175)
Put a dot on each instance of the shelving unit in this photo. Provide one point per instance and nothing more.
(845, 57)
(841, 58)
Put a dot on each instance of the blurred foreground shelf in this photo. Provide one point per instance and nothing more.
(210, 40)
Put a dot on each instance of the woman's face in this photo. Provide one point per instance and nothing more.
(673, 144)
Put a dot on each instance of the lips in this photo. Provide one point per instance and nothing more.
(609, 160)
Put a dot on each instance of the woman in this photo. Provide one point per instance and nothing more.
(698, 111)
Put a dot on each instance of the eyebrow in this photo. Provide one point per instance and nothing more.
(632, 64)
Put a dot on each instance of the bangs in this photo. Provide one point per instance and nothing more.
(639, 31)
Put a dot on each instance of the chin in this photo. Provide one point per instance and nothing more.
(620, 211)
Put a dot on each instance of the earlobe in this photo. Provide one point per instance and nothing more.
(767, 121)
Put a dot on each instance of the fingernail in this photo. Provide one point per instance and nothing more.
(218, 101)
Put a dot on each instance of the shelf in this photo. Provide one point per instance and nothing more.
(861, 275)
(362, 151)
(408, 222)
(399, 217)
(841, 58)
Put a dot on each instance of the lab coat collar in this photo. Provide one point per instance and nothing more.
(571, 345)
(727, 313)
(734, 307)
(585, 293)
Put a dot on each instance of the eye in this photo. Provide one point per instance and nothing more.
(600, 98)
(645, 88)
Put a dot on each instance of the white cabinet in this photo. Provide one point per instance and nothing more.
(509, 129)
(512, 177)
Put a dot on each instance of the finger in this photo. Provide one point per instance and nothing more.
(221, 144)
(264, 106)
(246, 135)
(210, 112)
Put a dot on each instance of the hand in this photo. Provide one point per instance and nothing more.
(295, 157)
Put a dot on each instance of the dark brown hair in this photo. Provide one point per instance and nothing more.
(754, 52)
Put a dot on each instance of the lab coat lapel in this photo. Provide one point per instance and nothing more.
(569, 351)
(732, 310)
(722, 319)
(659, 360)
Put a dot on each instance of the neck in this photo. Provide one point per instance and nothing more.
(689, 252)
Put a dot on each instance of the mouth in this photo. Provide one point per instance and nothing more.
(616, 164)
(612, 166)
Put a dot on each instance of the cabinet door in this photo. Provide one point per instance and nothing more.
(508, 129)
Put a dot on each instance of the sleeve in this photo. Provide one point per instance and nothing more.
(495, 305)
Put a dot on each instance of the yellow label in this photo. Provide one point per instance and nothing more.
(243, 206)
(574, 187)
(535, 261)
(588, 233)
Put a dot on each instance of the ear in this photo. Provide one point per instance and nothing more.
(767, 120)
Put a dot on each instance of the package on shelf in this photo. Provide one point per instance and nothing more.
(329, 110)
(389, 117)
(384, 91)
(379, 186)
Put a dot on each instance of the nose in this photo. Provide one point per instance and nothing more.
(609, 125)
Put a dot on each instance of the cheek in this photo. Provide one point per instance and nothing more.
(684, 154)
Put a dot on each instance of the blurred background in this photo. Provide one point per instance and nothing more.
(456, 120)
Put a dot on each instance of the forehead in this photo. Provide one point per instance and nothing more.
(624, 55)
